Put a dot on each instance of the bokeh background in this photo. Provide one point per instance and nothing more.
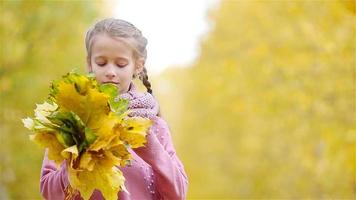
(267, 110)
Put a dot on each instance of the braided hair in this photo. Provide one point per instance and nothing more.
(144, 78)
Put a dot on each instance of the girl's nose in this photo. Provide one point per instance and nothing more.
(110, 73)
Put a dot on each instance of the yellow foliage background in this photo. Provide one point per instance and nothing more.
(267, 110)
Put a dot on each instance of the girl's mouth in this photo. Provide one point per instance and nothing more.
(110, 82)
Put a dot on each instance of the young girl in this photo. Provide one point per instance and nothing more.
(116, 53)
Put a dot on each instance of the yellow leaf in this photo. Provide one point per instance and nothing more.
(70, 150)
(107, 125)
(108, 180)
(49, 140)
(70, 100)
(134, 131)
(107, 134)
(71, 153)
(98, 107)
(121, 152)
(91, 107)
(86, 161)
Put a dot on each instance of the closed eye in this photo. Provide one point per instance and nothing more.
(121, 65)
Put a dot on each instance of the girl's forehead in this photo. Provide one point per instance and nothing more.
(104, 38)
(104, 45)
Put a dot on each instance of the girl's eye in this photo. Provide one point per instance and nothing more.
(101, 64)
(121, 65)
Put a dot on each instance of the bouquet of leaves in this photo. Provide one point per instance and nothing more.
(86, 124)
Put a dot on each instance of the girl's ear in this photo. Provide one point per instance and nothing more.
(139, 65)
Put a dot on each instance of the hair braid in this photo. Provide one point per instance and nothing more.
(144, 78)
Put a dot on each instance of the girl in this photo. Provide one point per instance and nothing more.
(116, 53)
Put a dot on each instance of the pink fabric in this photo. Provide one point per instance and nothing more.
(141, 104)
(155, 173)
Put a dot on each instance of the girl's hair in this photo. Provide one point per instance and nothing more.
(121, 28)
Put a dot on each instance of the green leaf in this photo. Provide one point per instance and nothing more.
(53, 89)
(119, 105)
(109, 89)
(65, 139)
(71, 129)
(90, 135)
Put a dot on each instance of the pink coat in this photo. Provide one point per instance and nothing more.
(156, 171)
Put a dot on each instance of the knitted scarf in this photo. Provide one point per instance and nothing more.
(140, 104)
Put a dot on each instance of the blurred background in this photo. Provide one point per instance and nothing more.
(260, 96)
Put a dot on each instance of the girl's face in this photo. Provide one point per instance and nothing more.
(112, 61)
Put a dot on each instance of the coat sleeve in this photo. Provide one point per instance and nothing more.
(159, 152)
(53, 181)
